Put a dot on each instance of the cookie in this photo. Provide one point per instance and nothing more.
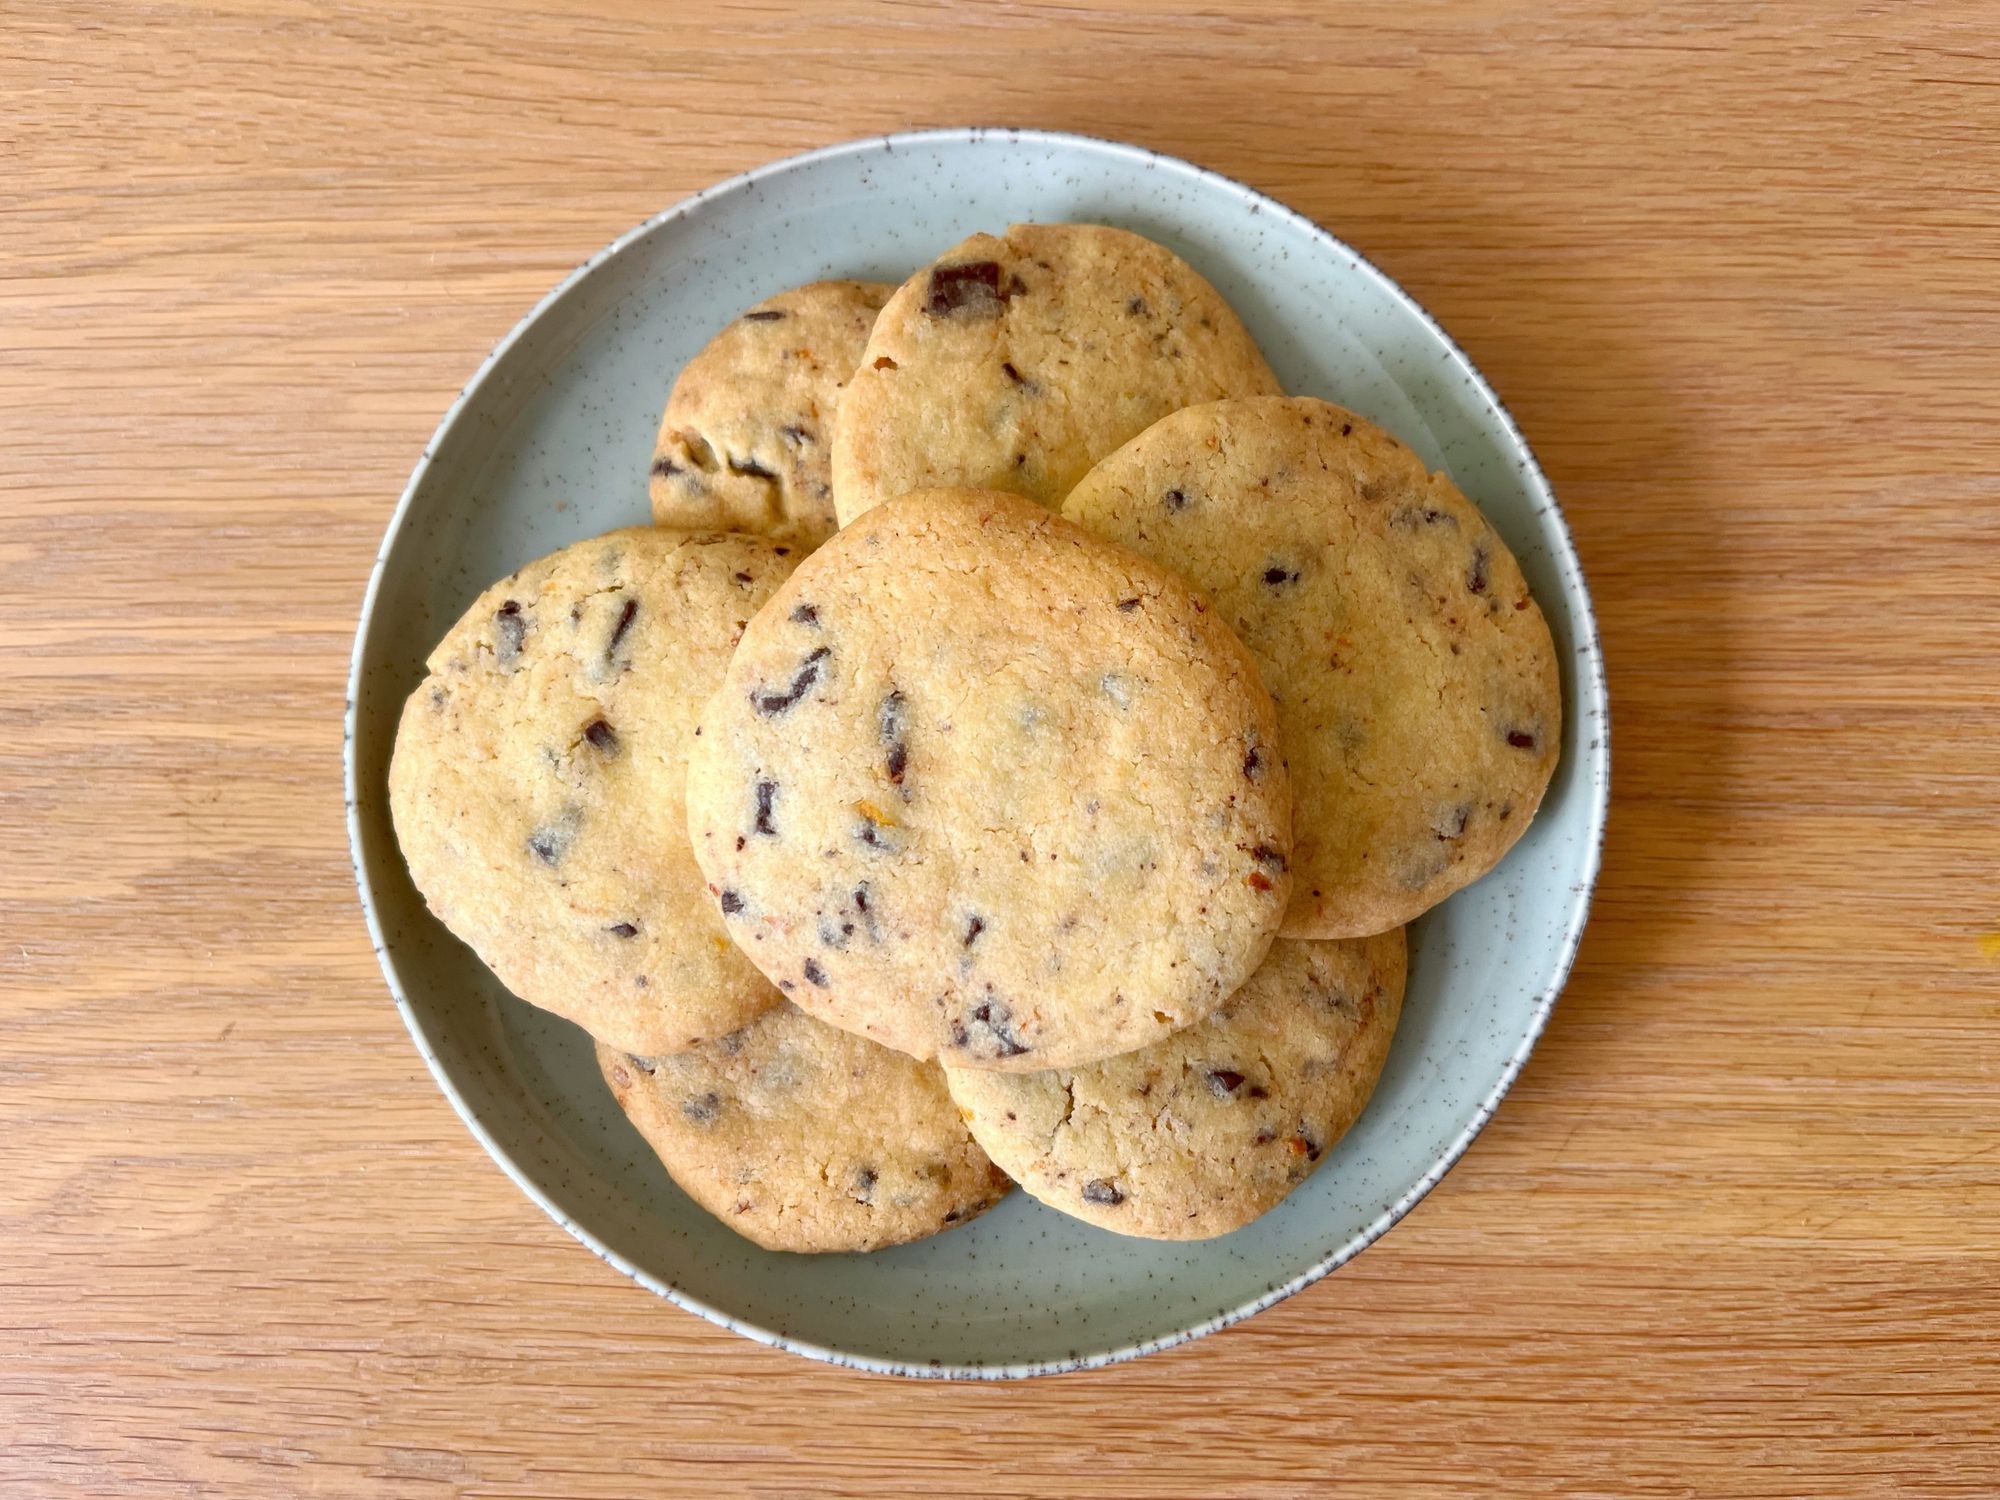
(980, 785)
(1199, 1134)
(746, 442)
(1016, 363)
(537, 782)
(802, 1137)
(1416, 682)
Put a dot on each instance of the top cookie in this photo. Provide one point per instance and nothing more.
(1015, 364)
(537, 782)
(747, 438)
(978, 784)
(1200, 1133)
(1415, 678)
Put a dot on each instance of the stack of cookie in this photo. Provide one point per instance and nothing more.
(1011, 757)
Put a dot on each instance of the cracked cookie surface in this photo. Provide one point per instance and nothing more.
(538, 777)
(1418, 698)
(1199, 1134)
(747, 438)
(803, 1137)
(1016, 362)
(980, 785)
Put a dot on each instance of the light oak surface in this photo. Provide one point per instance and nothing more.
(1736, 269)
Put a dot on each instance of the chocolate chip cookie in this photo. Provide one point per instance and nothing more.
(1016, 363)
(980, 785)
(1416, 682)
(746, 442)
(1199, 1134)
(803, 1137)
(537, 782)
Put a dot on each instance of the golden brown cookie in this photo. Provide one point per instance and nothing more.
(1199, 1134)
(1016, 363)
(980, 785)
(746, 443)
(1418, 700)
(537, 782)
(804, 1137)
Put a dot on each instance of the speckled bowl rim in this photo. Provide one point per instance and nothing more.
(1591, 681)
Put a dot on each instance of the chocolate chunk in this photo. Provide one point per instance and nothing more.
(767, 794)
(1521, 739)
(1098, 1190)
(731, 903)
(1268, 857)
(883, 362)
(1028, 387)
(1222, 1082)
(1253, 764)
(1256, 881)
(764, 315)
(1278, 577)
(702, 1110)
(1475, 576)
(973, 289)
(805, 614)
(1175, 500)
(749, 468)
(767, 702)
(1126, 606)
(1138, 309)
(510, 629)
(665, 467)
(623, 930)
(988, 1030)
(743, 577)
(551, 842)
(972, 930)
(865, 1179)
(815, 975)
(625, 618)
(892, 721)
(883, 836)
(1256, 1091)
(601, 735)
(1450, 824)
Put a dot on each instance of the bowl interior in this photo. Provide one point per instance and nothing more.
(550, 444)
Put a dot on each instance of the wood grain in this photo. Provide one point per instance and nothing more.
(1738, 1230)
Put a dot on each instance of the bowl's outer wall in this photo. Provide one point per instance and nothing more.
(550, 444)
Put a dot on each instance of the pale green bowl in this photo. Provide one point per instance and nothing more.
(549, 443)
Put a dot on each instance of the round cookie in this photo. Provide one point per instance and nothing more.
(803, 1137)
(538, 775)
(1199, 1134)
(1016, 363)
(980, 785)
(1416, 682)
(746, 443)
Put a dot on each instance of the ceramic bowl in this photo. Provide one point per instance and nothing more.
(549, 443)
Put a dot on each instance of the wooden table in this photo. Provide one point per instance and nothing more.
(1737, 1232)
